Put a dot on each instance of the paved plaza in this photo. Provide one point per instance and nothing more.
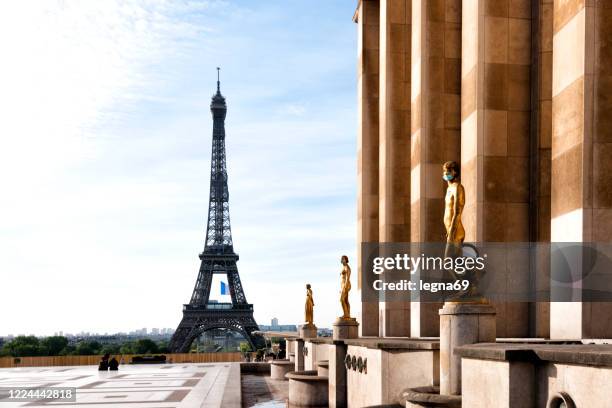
(154, 386)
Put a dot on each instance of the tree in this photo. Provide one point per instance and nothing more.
(69, 350)
(146, 346)
(127, 348)
(163, 347)
(22, 346)
(245, 347)
(53, 345)
(88, 348)
(111, 348)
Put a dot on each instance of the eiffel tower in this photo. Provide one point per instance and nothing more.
(218, 257)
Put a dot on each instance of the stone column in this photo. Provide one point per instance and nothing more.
(541, 130)
(495, 123)
(435, 127)
(337, 375)
(366, 17)
(461, 324)
(299, 355)
(394, 145)
(581, 196)
(544, 117)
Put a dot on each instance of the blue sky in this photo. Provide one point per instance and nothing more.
(105, 154)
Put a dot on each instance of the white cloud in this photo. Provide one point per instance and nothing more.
(104, 161)
(68, 69)
(67, 65)
(292, 109)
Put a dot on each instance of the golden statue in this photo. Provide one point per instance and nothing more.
(309, 308)
(453, 206)
(345, 287)
(455, 233)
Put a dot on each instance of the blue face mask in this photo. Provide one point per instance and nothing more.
(447, 177)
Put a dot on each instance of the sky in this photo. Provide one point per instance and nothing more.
(105, 138)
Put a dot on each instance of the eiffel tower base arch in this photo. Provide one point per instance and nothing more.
(195, 322)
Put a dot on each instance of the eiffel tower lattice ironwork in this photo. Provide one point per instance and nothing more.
(218, 257)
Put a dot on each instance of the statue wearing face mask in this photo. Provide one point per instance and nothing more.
(453, 207)
(455, 234)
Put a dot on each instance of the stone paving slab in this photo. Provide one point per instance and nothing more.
(133, 386)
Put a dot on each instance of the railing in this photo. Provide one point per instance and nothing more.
(219, 306)
(127, 358)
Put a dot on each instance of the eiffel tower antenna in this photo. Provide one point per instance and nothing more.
(218, 256)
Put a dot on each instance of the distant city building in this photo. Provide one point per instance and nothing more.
(138, 333)
(274, 322)
(324, 332)
(278, 327)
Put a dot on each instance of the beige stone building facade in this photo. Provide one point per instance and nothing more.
(519, 93)
(516, 91)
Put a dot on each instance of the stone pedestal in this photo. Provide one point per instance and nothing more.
(461, 323)
(279, 368)
(345, 329)
(429, 396)
(307, 331)
(307, 389)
